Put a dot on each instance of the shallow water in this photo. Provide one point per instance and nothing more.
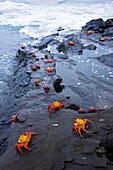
(22, 21)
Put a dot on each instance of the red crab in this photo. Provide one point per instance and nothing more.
(81, 110)
(23, 47)
(55, 105)
(33, 54)
(14, 117)
(92, 109)
(37, 58)
(46, 56)
(33, 67)
(45, 87)
(110, 20)
(79, 124)
(23, 141)
(37, 66)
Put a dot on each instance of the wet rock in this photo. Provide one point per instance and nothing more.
(64, 47)
(73, 107)
(60, 29)
(21, 119)
(90, 47)
(109, 23)
(61, 56)
(57, 86)
(106, 59)
(94, 24)
(61, 47)
(44, 42)
(107, 143)
(108, 32)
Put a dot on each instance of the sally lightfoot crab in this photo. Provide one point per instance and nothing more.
(79, 124)
(92, 109)
(23, 141)
(55, 105)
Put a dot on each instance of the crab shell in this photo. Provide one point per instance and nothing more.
(56, 104)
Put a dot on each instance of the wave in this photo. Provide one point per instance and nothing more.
(34, 19)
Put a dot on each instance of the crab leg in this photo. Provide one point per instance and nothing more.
(87, 120)
(80, 132)
(25, 146)
(20, 149)
(72, 129)
(85, 130)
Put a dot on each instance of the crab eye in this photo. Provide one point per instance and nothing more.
(19, 141)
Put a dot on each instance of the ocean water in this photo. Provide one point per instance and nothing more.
(22, 19)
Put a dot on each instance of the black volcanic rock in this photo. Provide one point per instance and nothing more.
(106, 59)
(90, 47)
(94, 24)
(57, 86)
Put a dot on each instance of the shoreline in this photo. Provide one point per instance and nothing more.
(55, 147)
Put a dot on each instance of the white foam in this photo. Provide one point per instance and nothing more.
(39, 20)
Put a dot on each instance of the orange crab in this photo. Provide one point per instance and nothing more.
(79, 124)
(49, 61)
(55, 105)
(102, 39)
(89, 32)
(36, 82)
(81, 110)
(71, 43)
(92, 109)
(23, 141)
(49, 69)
